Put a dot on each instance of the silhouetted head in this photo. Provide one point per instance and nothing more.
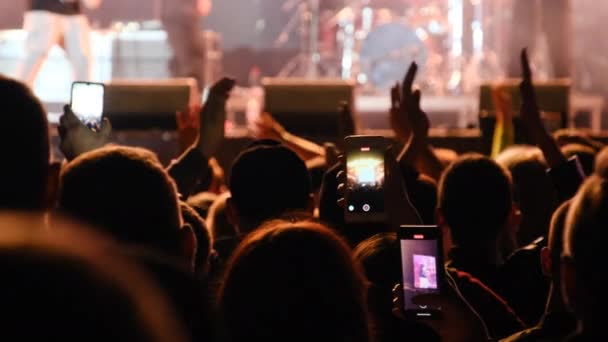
(267, 181)
(584, 262)
(293, 282)
(61, 283)
(125, 192)
(475, 200)
(24, 145)
(533, 190)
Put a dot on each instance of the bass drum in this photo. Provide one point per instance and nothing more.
(386, 53)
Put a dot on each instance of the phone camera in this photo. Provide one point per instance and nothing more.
(366, 208)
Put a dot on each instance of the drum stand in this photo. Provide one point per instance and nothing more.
(306, 64)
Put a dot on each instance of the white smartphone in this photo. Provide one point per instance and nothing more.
(365, 178)
(87, 103)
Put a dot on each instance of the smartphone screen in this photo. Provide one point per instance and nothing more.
(87, 103)
(422, 270)
(365, 176)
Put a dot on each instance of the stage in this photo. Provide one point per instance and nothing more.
(144, 55)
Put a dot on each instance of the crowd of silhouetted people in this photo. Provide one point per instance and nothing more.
(111, 245)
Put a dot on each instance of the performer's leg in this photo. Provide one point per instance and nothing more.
(78, 45)
(43, 31)
(188, 51)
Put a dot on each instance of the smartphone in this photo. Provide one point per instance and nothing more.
(422, 270)
(87, 103)
(365, 178)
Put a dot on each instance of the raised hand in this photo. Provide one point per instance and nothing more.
(213, 117)
(407, 117)
(76, 138)
(531, 117)
(530, 113)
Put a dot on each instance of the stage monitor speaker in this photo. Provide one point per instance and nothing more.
(310, 108)
(147, 104)
(553, 99)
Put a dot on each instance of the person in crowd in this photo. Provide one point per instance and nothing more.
(65, 284)
(556, 323)
(293, 282)
(182, 20)
(533, 190)
(267, 181)
(379, 256)
(25, 143)
(479, 225)
(192, 169)
(125, 192)
(583, 261)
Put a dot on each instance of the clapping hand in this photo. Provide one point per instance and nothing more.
(408, 120)
(77, 138)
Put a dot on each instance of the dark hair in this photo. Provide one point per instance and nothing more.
(533, 190)
(24, 143)
(475, 199)
(266, 181)
(125, 192)
(68, 285)
(379, 256)
(584, 236)
(204, 241)
(293, 282)
(556, 239)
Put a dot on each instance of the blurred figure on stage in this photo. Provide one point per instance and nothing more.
(182, 20)
(50, 22)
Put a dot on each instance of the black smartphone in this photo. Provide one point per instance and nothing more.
(365, 178)
(422, 270)
(87, 103)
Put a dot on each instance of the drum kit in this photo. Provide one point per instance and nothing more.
(372, 42)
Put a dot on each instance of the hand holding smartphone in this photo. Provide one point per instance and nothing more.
(365, 179)
(87, 103)
(423, 275)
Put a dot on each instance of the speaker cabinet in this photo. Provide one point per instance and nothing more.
(310, 108)
(151, 104)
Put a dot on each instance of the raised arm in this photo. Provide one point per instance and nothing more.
(411, 125)
(266, 127)
(192, 167)
(531, 118)
(567, 175)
